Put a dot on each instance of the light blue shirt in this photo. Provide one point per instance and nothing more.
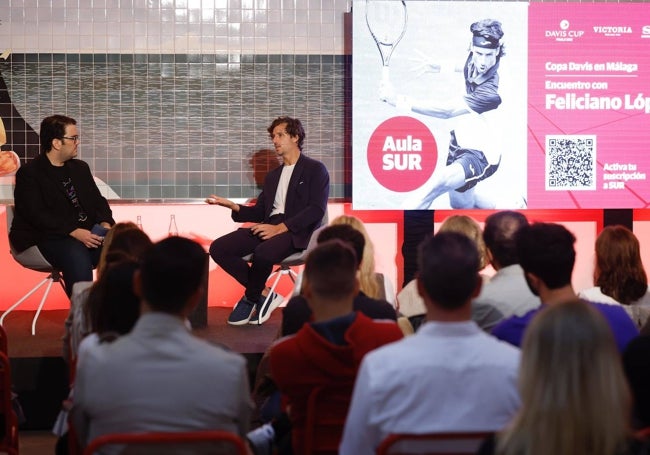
(446, 377)
(160, 377)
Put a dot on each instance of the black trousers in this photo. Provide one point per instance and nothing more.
(228, 250)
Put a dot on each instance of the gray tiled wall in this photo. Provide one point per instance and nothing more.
(184, 126)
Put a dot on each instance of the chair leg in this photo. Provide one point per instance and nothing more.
(49, 279)
(56, 277)
(40, 307)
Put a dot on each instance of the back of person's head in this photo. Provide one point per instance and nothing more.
(134, 242)
(345, 232)
(500, 234)
(619, 270)
(331, 270)
(448, 269)
(466, 225)
(367, 276)
(546, 250)
(53, 127)
(575, 399)
(172, 271)
(133, 245)
(367, 255)
(113, 307)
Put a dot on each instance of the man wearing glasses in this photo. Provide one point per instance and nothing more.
(58, 205)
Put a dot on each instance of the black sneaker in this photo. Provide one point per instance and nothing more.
(242, 312)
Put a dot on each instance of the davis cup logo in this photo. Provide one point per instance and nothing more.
(402, 154)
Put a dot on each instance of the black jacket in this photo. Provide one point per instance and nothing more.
(44, 211)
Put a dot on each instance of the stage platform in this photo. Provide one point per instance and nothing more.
(40, 376)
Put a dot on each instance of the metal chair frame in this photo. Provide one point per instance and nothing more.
(32, 259)
(443, 443)
(168, 438)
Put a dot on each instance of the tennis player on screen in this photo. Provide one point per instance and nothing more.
(474, 147)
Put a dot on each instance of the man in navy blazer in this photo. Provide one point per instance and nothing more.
(58, 204)
(291, 206)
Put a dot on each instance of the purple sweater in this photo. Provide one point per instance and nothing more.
(512, 329)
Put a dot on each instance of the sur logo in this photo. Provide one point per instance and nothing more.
(402, 154)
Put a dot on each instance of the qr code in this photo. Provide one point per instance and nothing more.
(570, 163)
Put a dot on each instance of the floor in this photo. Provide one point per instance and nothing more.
(36, 443)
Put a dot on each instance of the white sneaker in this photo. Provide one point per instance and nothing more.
(266, 306)
(261, 439)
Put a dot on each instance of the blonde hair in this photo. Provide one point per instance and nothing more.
(367, 278)
(575, 398)
(469, 227)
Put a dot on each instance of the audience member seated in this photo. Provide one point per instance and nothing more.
(619, 276)
(375, 285)
(450, 376)
(59, 208)
(298, 312)
(507, 290)
(124, 240)
(547, 255)
(411, 304)
(636, 362)
(574, 396)
(160, 377)
(114, 310)
(113, 307)
(327, 351)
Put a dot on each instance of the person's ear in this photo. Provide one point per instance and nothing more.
(488, 255)
(357, 285)
(533, 280)
(478, 287)
(305, 289)
(137, 284)
(422, 292)
(193, 300)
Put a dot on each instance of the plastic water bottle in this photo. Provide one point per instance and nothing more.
(173, 229)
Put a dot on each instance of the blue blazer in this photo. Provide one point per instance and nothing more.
(306, 201)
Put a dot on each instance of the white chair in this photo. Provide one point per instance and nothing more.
(284, 269)
(32, 259)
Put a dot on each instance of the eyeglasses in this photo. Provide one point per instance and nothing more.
(72, 138)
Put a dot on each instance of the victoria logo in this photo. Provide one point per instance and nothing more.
(613, 30)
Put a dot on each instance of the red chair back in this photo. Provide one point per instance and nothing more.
(465, 443)
(9, 437)
(643, 433)
(3, 341)
(171, 443)
(327, 409)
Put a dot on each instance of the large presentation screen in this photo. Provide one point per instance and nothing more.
(500, 105)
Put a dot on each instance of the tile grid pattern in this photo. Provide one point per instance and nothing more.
(179, 126)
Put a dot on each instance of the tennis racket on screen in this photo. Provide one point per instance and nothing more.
(386, 20)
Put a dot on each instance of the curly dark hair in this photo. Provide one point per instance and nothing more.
(294, 128)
